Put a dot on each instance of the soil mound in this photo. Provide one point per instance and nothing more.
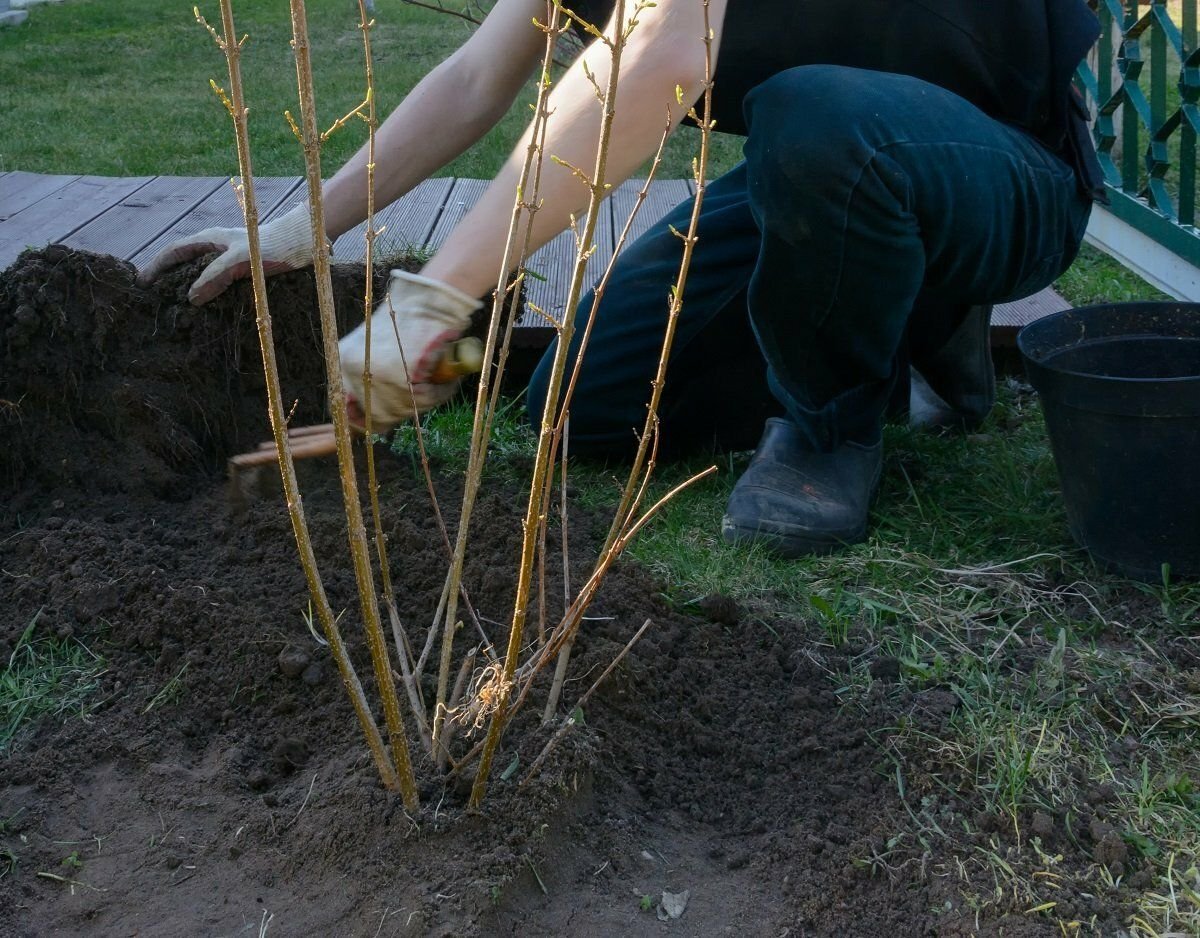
(216, 782)
(106, 385)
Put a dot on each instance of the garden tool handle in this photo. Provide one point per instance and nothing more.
(463, 357)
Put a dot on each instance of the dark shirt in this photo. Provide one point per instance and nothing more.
(1013, 59)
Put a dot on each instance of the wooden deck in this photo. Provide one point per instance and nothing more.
(134, 217)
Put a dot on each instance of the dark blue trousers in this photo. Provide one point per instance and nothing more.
(870, 212)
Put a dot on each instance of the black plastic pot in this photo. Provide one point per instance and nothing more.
(1120, 388)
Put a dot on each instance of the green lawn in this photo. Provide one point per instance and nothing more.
(122, 89)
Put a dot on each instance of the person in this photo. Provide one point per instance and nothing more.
(906, 164)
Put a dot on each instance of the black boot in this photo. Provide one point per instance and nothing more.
(795, 501)
(955, 387)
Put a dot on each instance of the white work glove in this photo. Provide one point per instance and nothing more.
(286, 245)
(429, 315)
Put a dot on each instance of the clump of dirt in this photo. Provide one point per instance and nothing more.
(216, 782)
(112, 386)
(109, 385)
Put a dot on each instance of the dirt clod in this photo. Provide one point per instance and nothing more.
(721, 608)
(1043, 824)
(293, 661)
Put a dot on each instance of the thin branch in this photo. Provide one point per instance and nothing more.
(565, 631)
(360, 552)
(536, 507)
(628, 503)
(560, 428)
(570, 44)
(275, 410)
(570, 721)
(479, 436)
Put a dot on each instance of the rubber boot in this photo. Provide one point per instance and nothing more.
(955, 387)
(795, 502)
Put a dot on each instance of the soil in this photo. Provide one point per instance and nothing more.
(217, 784)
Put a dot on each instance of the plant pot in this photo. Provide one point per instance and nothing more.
(1120, 388)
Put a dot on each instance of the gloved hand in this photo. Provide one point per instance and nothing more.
(429, 315)
(286, 245)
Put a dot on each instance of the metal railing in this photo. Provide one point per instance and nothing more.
(1143, 85)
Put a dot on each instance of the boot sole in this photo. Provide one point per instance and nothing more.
(789, 545)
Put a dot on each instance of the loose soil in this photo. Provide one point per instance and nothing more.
(217, 783)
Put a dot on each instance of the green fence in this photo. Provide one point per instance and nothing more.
(1143, 81)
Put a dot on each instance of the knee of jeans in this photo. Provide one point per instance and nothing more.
(588, 414)
(807, 120)
(596, 427)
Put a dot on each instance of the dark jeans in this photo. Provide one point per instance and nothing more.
(870, 212)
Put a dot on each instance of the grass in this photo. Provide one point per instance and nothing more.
(1059, 671)
(45, 676)
(122, 89)
(170, 693)
(1097, 278)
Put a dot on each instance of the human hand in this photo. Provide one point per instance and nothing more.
(286, 244)
(406, 351)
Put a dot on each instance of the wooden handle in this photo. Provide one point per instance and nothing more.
(464, 357)
(323, 429)
(306, 447)
(299, 434)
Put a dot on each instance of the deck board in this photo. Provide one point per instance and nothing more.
(20, 190)
(662, 196)
(555, 262)
(1009, 318)
(138, 219)
(294, 196)
(60, 214)
(220, 209)
(406, 224)
(464, 194)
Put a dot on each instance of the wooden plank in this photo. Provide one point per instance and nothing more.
(463, 195)
(19, 190)
(295, 196)
(221, 209)
(60, 214)
(555, 259)
(664, 195)
(135, 221)
(1009, 318)
(407, 223)
(555, 262)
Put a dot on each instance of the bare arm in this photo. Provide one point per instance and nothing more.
(666, 49)
(451, 108)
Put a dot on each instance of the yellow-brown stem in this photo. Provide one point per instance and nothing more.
(570, 720)
(628, 506)
(536, 505)
(359, 550)
(295, 505)
(560, 428)
(481, 425)
(566, 630)
(403, 651)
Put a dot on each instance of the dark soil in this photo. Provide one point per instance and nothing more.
(218, 784)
